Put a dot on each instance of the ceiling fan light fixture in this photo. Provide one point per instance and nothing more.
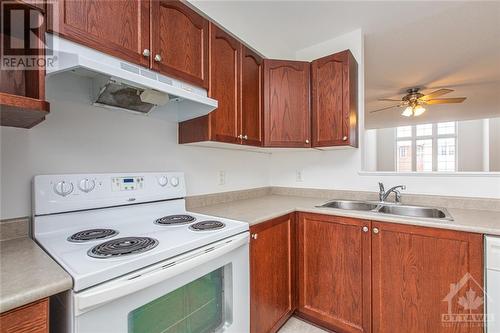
(418, 110)
(408, 111)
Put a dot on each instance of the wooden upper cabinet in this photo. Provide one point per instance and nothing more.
(118, 28)
(224, 86)
(272, 274)
(413, 269)
(251, 97)
(334, 271)
(334, 100)
(287, 116)
(179, 42)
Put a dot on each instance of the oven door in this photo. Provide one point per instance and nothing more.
(206, 290)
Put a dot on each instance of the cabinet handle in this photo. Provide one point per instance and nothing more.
(376, 231)
(240, 136)
(245, 137)
(146, 53)
(255, 236)
(365, 229)
(344, 138)
(157, 58)
(307, 141)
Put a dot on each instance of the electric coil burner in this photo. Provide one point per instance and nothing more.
(207, 225)
(175, 219)
(92, 234)
(122, 246)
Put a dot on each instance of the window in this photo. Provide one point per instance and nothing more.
(426, 147)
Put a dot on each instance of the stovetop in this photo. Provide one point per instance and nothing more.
(52, 233)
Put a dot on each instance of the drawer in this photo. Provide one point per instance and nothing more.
(493, 253)
(30, 318)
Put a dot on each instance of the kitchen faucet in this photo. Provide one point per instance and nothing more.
(383, 194)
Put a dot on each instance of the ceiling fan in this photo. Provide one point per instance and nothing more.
(414, 101)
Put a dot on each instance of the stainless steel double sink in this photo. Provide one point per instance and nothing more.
(390, 208)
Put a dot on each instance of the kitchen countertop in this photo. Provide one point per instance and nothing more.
(28, 274)
(257, 210)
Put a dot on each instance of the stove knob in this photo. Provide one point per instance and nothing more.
(63, 188)
(174, 181)
(86, 185)
(163, 181)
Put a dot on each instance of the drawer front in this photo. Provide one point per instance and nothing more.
(493, 253)
(32, 318)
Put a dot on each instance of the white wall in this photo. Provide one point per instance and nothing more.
(386, 154)
(470, 147)
(77, 137)
(341, 169)
(494, 144)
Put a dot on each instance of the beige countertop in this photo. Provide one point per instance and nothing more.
(28, 274)
(256, 210)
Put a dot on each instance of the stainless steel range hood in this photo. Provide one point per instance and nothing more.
(125, 86)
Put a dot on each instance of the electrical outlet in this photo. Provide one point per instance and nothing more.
(222, 177)
(298, 176)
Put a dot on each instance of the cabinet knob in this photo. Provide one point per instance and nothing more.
(157, 58)
(255, 236)
(146, 53)
(375, 230)
(344, 138)
(365, 229)
(240, 136)
(307, 141)
(245, 137)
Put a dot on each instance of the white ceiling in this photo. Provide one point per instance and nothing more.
(426, 44)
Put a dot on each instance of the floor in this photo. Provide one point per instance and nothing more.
(295, 325)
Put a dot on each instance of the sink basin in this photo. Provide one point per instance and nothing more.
(415, 211)
(388, 208)
(350, 205)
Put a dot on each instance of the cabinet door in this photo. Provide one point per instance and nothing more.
(224, 85)
(251, 97)
(272, 275)
(334, 100)
(180, 39)
(334, 272)
(287, 115)
(119, 28)
(420, 275)
(30, 318)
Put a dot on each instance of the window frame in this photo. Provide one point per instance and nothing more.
(434, 137)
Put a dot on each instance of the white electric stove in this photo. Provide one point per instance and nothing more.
(132, 248)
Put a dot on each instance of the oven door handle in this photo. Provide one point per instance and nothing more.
(109, 291)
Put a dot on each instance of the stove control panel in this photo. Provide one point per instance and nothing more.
(71, 192)
(127, 183)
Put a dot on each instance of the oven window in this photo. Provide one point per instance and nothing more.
(194, 308)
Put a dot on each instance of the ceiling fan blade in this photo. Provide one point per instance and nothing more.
(389, 100)
(389, 107)
(445, 100)
(436, 93)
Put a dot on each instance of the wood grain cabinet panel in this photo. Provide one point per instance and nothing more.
(334, 272)
(30, 318)
(287, 116)
(180, 38)
(119, 28)
(224, 85)
(334, 100)
(272, 274)
(414, 269)
(251, 97)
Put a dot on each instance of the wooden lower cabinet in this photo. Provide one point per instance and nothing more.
(417, 271)
(334, 272)
(32, 318)
(272, 274)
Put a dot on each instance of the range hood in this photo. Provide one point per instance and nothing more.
(125, 86)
